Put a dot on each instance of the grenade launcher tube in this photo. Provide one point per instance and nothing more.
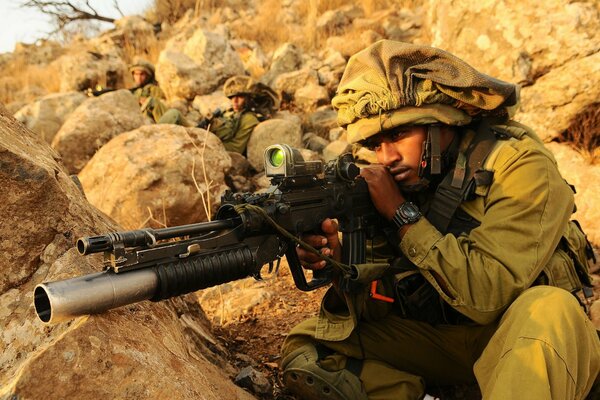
(98, 292)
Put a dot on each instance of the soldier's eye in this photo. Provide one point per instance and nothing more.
(372, 145)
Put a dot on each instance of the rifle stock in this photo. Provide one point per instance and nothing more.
(250, 230)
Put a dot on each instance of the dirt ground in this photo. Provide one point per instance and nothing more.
(266, 311)
(253, 318)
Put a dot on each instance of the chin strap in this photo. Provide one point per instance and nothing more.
(431, 154)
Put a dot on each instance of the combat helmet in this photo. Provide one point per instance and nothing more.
(261, 98)
(392, 83)
(239, 85)
(142, 65)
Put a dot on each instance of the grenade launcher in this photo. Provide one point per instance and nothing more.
(250, 231)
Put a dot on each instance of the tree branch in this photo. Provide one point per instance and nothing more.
(65, 12)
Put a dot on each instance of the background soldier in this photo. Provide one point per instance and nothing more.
(150, 96)
(251, 103)
(475, 272)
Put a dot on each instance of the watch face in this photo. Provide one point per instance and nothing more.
(410, 211)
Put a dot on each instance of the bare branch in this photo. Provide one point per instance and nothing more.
(116, 6)
(65, 12)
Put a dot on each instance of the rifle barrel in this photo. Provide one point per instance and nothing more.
(148, 237)
(92, 294)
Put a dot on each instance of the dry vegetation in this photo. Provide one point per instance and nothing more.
(584, 133)
(21, 81)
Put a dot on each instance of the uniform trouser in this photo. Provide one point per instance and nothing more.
(173, 116)
(544, 347)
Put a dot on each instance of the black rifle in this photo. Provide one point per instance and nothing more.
(98, 91)
(250, 231)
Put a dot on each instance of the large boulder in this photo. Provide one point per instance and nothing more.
(85, 69)
(197, 65)
(148, 350)
(158, 175)
(273, 131)
(557, 99)
(45, 116)
(512, 42)
(585, 177)
(94, 123)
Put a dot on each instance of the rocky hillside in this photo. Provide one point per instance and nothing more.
(56, 144)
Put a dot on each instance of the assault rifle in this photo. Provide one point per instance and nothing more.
(250, 231)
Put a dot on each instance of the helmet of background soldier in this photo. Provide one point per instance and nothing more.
(391, 83)
(239, 86)
(142, 65)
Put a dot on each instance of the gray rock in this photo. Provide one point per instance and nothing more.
(94, 123)
(253, 380)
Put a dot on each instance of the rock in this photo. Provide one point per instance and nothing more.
(46, 115)
(213, 50)
(595, 314)
(253, 380)
(311, 97)
(273, 131)
(348, 44)
(335, 149)
(92, 124)
(86, 69)
(290, 82)
(577, 171)
(181, 77)
(208, 104)
(239, 164)
(332, 22)
(554, 102)
(314, 142)
(511, 42)
(145, 177)
(335, 133)
(198, 66)
(254, 59)
(322, 120)
(286, 58)
(140, 351)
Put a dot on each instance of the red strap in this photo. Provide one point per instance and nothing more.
(376, 296)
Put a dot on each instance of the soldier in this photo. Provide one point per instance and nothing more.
(472, 280)
(150, 96)
(235, 126)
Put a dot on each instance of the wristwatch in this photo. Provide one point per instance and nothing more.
(407, 213)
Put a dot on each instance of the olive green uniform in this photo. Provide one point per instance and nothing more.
(234, 129)
(516, 333)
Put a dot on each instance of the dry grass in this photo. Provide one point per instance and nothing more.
(23, 82)
(584, 133)
(262, 28)
(171, 10)
(305, 35)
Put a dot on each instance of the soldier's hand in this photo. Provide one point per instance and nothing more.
(328, 244)
(384, 190)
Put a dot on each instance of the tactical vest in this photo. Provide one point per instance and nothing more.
(415, 297)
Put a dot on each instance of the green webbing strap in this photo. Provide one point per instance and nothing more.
(449, 194)
(241, 208)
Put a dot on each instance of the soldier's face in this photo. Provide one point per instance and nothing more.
(140, 77)
(238, 103)
(399, 149)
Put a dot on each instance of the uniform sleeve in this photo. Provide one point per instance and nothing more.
(524, 215)
(240, 138)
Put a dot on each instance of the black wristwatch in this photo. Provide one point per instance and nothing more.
(407, 213)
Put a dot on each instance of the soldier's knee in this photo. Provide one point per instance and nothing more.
(304, 376)
(547, 305)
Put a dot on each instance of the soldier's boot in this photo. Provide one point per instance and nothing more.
(304, 377)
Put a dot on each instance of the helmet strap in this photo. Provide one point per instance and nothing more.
(431, 154)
